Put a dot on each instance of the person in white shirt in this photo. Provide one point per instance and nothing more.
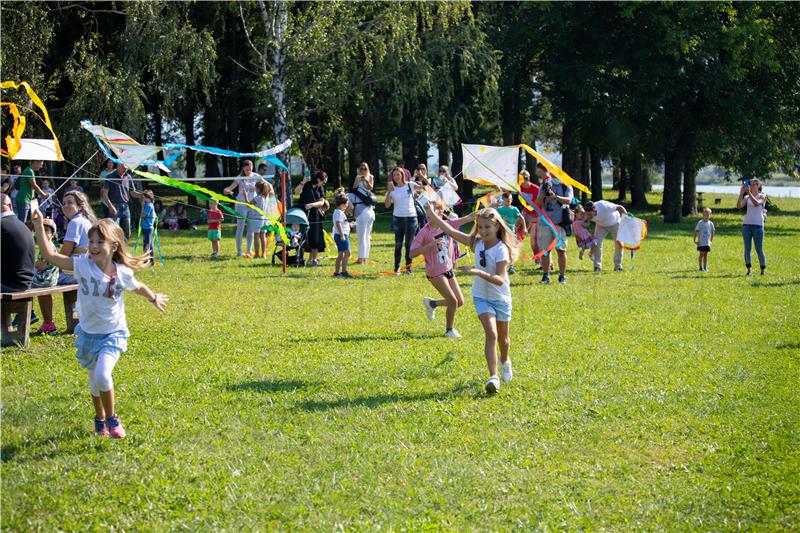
(246, 183)
(606, 217)
(102, 335)
(495, 249)
(400, 192)
(703, 237)
(341, 235)
(753, 223)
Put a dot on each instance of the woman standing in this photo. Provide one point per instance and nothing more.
(246, 183)
(400, 192)
(753, 224)
(363, 205)
(313, 202)
(444, 178)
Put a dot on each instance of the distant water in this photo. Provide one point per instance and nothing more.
(777, 192)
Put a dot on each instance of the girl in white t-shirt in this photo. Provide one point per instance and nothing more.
(495, 248)
(102, 335)
(256, 222)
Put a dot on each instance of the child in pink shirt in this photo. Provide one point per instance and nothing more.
(438, 249)
(580, 227)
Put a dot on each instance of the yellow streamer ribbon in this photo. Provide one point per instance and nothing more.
(555, 170)
(19, 122)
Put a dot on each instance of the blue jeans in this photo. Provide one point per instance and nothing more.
(147, 241)
(123, 218)
(404, 228)
(23, 210)
(756, 233)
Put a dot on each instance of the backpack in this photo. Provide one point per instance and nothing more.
(367, 197)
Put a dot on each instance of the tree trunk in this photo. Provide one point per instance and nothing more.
(530, 164)
(188, 126)
(689, 188)
(276, 22)
(369, 142)
(511, 123)
(422, 146)
(408, 139)
(624, 178)
(597, 174)
(671, 201)
(444, 153)
(570, 149)
(464, 186)
(585, 177)
(616, 164)
(638, 198)
(331, 160)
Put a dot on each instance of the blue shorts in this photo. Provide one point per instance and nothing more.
(342, 243)
(499, 308)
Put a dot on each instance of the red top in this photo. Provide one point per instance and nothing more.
(214, 218)
(532, 192)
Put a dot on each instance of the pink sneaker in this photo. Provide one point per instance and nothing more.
(115, 428)
(100, 428)
(48, 328)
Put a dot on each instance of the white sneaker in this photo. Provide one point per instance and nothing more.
(452, 333)
(505, 371)
(430, 311)
(493, 385)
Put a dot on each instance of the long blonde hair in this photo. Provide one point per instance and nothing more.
(108, 230)
(84, 207)
(504, 234)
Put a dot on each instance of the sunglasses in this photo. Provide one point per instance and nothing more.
(482, 254)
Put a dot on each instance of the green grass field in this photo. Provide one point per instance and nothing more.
(660, 398)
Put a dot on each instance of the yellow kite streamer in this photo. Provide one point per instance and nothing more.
(14, 141)
(555, 170)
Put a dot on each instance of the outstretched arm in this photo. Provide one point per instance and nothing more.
(158, 300)
(437, 221)
(64, 262)
(498, 278)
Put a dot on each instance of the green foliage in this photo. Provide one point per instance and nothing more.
(655, 399)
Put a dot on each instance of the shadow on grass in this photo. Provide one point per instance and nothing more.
(53, 446)
(363, 338)
(695, 274)
(789, 346)
(776, 283)
(381, 399)
(269, 386)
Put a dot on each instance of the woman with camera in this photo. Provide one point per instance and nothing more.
(551, 200)
(363, 201)
(753, 224)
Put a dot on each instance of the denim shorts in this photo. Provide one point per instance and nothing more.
(499, 308)
(342, 243)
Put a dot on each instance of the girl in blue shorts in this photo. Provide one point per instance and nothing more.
(495, 248)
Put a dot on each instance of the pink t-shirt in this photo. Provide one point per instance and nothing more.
(437, 260)
(579, 228)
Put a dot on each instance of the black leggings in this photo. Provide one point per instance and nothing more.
(404, 227)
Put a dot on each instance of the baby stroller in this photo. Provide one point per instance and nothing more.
(297, 238)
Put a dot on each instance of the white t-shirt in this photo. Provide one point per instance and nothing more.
(704, 230)
(78, 231)
(403, 198)
(339, 216)
(755, 213)
(484, 289)
(247, 184)
(97, 312)
(607, 214)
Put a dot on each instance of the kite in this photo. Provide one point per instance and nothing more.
(126, 150)
(497, 166)
(631, 233)
(30, 149)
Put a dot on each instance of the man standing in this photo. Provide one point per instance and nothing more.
(118, 189)
(18, 250)
(27, 188)
(606, 217)
(551, 200)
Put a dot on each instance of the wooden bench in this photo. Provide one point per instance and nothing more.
(21, 303)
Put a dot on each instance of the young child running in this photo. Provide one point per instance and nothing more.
(102, 335)
(495, 248)
(341, 235)
(703, 237)
(147, 222)
(214, 227)
(580, 227)
(439, 251)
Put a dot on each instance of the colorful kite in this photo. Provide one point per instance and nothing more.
(29, 149)
(631, 233)
(126, 150)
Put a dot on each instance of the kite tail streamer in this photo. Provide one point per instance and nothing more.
(19, 127)
(216, 196)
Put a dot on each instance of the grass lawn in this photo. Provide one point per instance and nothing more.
(658, 398)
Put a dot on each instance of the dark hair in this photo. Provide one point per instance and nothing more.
(400, 163)
(506, 194)
(319, 175)
(340, 199)
(589, 206)
(262, 166)
(539, 165)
